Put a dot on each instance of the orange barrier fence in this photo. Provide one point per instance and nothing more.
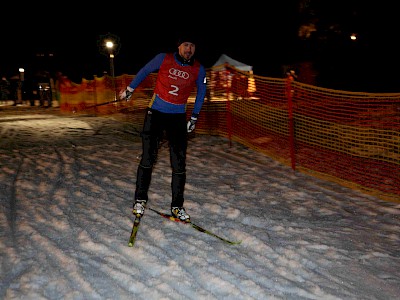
(350, 138)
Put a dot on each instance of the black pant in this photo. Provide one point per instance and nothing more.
(174, 126)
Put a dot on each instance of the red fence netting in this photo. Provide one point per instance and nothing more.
(350, 138)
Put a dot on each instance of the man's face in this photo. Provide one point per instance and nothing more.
(186, 50)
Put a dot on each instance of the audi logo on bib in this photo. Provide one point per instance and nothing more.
(178, 73)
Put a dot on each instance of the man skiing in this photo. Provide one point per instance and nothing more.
(178, 74)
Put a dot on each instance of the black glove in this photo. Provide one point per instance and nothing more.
(192, 122)
(126, 94)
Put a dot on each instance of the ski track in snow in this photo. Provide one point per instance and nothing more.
(67, 188)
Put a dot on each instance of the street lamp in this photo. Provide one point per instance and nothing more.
(110, 47)
(20, 84)
(21, 74)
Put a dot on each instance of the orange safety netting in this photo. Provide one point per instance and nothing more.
(350, 138)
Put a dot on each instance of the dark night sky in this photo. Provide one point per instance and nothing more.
(263, 36)
(72, 33)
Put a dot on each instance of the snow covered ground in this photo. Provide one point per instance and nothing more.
(66, 191)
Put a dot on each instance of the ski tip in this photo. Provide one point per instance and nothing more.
(130, 244)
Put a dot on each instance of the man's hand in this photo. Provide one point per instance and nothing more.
(126, 94)
(192, 123)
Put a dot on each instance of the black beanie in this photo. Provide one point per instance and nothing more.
(187, 38)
